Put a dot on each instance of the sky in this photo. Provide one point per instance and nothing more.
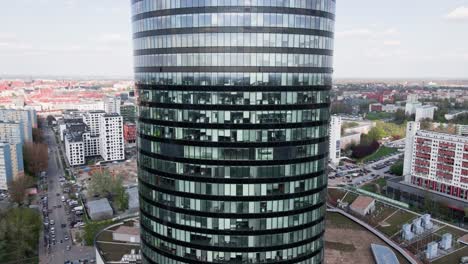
(374, 39)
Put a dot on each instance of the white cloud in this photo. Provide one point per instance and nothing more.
(360, 32)
(367, 32)
(392, 43)
(459, 13)
(111, 37)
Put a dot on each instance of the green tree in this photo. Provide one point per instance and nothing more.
(104, 184)
(400, 116)
(19, 233)
(397, 168)
(121, 198)
(376, 133)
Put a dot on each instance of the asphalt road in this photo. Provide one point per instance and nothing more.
(57, 254)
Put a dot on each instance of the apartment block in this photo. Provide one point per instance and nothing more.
(12, 132)
(437, 161)
(112, 104)
(335, 139)
(74, 149)
(111, 137)
(92, 119)
(6, 170)
(27, 117)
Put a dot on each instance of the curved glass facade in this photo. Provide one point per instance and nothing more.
(233, 128)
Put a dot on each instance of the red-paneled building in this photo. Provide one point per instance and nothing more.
(129, 130)
(438, 162)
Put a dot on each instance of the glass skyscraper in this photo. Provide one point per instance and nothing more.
(233, 128)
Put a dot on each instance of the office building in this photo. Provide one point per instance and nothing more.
(128, 112)
(335, 139)
(436, 161)
(233, 123)
(112, 104)
(111, 137)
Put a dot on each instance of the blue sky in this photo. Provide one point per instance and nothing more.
(392, 38)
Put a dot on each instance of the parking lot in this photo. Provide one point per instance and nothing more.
(361, 174)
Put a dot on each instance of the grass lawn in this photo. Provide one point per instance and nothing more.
(381, 152)
(350, 197)
(371, 187)
(381, 212)
(453, 258)
(396, 221)
(335, 220)
(335, 194)
(455, 232)
(378, 115)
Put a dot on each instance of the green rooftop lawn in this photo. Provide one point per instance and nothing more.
(396, 221)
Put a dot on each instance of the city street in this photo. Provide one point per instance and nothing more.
(58, 253)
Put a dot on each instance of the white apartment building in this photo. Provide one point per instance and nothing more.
(425, 112)
(437, 161)
(335, 137)
(111, 137)
(92, 119)
(92, 145)
(74, 149)
(112, 104)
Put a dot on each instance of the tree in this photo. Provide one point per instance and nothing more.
(18, 188)
(121, 198)
(38, 135)
(397, 168)
(19, 233)
(376, 133)
(400, 116)
(50, 120)
(104, 184)
(36, 158)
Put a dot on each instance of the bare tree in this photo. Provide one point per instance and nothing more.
(36, 157)
(18, 188)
